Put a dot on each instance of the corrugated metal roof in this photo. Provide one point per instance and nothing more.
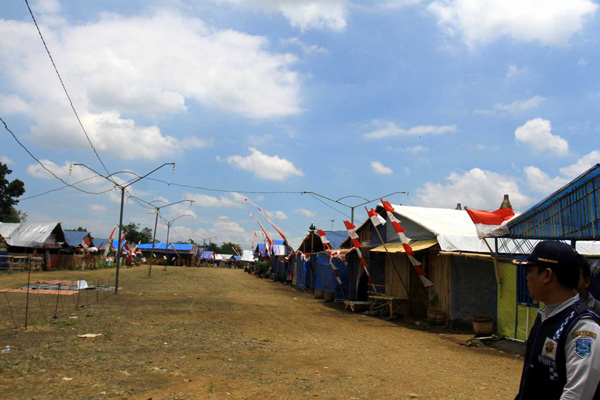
(30, 235)
(572, 212)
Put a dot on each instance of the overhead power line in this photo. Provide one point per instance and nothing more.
(64, 87)
(43, 166)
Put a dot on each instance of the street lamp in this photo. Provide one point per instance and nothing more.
(122, 187)
(169, 223)
(157, 210)
(353, 207)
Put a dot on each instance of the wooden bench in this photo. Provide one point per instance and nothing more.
(393, 303)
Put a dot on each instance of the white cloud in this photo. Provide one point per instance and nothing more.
(514, 73)
(398, 4)
(305, 212)
(13, 104)
(305, 14)
(148, 66)
(46, 6)
(385, 129)
(583, 164)
(308, 49)
(538, 133)
(203, 200)
(379, 168)
(5, 160)
(520, 105)
(276, 214)
(582, 62)
(477, 188)
(228, 226)
(265, 166)
(97, 208)
(481, 22)
(194, 142)
(417, 149)
(539, 181)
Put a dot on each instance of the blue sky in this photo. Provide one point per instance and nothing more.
(448, 100)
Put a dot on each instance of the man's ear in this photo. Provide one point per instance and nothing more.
(547, 274)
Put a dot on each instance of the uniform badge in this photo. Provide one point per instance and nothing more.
(583, 347)
(550, 349)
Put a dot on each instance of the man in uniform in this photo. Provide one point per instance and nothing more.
(585, 278)
(562, 360)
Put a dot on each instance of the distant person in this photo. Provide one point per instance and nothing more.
(585, 278)
(562, 359)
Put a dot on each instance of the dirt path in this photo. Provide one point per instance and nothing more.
(206, 333)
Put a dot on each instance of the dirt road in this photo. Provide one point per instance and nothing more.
(208, 333)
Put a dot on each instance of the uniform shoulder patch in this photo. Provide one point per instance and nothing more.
(583, 347)
(584, 333)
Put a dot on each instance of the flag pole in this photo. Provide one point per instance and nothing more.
(389, 256)
(496, 268)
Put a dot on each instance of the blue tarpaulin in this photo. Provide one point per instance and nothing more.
(325, 278)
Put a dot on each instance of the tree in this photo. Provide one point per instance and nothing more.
(134, 234)
(9, 191)
(79, 229)
(229, 248)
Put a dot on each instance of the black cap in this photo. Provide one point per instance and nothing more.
(552, 254)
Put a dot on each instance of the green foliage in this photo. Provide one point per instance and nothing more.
(79, 229)
(9, 191)
(134, 234)
(229, 248)
(262, 267)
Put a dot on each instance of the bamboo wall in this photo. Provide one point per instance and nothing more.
(438, 272)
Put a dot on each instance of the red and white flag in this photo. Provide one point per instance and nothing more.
(324, 239)
(376, 219)
(491, 223)
(356, 243)
(268, 219)
(269, 241)
(109, 244)
(404, 240)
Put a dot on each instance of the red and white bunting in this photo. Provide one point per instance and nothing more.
(334, 268)
(269, 241)
(404, 240)
(268, 219)
(109, 244)
(305, 256)
(324, 239)
(376, 219)
(352, 232)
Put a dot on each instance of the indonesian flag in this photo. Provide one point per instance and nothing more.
(491, 224)
(376, 219)
(351, 228)
(109, 244)
(404, 240)
(268, 219)
(324, 239)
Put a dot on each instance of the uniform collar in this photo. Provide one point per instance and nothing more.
(552, 309)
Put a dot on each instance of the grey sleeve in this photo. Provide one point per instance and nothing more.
(582, 353)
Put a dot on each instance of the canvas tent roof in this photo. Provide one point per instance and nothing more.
(32, 235)
(248, 256)
(453, 229)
